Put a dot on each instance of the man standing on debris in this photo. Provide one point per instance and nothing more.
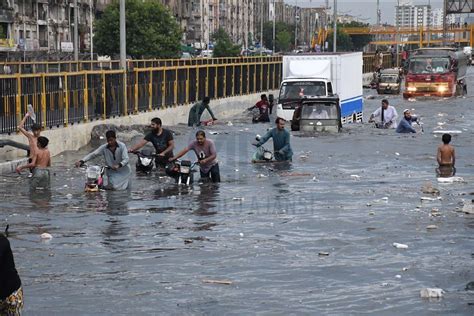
(386, 116)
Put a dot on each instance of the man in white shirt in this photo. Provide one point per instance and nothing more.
(385, 116)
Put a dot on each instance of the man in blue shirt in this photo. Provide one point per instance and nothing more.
(281, 141)
(405, 123)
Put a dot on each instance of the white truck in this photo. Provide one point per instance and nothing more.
(322, 75)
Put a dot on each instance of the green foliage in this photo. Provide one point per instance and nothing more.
(223, 45)
(359, 41)
(280, 27)
(283, 41)
(343, 40)
(152, 32)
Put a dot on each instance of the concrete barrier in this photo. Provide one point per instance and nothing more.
(78, 135)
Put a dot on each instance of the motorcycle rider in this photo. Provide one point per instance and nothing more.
(116, 158)
(263, 107)
(206, 153)
(162, 140)
(281, 141)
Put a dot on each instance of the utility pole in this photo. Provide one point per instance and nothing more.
(123, 54)
(397, 39)
(296, 24)
(445, 22)
(261, 28)
(377, 37)
(76, 40)
(334, 44)
(91, 39)
(274, 18)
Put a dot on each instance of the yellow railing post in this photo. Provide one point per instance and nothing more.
(18, 99)
(233, 79)
(150, 92)
(43, 99)
(187, 84)
(86, 99)
(216, 77)
(163, 89)
(471, 36)
(176, 86)
(66, 101)
(104, 101)
(135, 107)
(125, 90)
(224, 82)
(207, 80)
(240, 78)
(197, 82)
(421, 37)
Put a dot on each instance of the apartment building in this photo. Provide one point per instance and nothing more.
(44, 25)
(413, 16)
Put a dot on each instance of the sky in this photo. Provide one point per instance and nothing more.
(365, 9)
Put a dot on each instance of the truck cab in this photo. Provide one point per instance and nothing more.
(293, 90)
(322, 75)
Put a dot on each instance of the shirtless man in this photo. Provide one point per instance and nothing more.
(32, 137)
(446, 157)
(39, 163)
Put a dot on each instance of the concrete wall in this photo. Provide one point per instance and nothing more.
(78, 135)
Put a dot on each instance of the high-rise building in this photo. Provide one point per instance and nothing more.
(412, 16)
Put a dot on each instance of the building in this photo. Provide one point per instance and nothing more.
(412, 16)
(42, 25)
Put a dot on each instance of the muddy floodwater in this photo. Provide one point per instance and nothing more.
(311, 237)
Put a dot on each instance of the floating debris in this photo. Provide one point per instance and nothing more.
(400, 246)
(46, 236)
(224, 282)
(323, 253)
(431, 293)
(430, 227)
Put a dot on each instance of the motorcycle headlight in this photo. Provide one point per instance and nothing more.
(146, 161)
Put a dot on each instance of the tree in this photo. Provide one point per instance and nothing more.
(279, 27)
(283, 41)
(343, 40)
(358, 41)
(223, 45)
(152, 32)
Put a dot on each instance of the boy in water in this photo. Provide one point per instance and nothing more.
(39, 163)
(446, 157)
(32, 137)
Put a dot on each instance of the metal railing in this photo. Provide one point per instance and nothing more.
(69, 97)
(61, 99)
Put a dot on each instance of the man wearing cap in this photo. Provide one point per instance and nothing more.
(405, 123)
(386, 116)
(196, 111)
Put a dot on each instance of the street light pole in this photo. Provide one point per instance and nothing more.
(274, 18)
(397, 39)
(445, 22)
(123, 54)
(334, 44)
(91, 39)
(296, 24)
(76, 41)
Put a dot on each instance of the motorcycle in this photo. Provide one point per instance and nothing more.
(182, 171)
(262, 154)
(145, 159)
(94, 178)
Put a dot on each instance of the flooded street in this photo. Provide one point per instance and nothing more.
(311, 237)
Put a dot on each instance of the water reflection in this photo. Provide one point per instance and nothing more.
(445, 171)
(41, 199)
(207, 199)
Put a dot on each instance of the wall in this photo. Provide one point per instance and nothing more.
(78, 135)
